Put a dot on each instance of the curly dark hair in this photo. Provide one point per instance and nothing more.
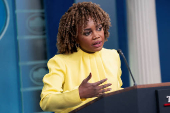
(78, 15)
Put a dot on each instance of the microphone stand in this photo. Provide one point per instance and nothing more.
(121, 53)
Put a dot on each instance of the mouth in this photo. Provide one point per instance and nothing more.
(97, 44)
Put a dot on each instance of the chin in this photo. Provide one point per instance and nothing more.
(98, 49)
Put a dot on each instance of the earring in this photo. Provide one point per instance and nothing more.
(77, 45)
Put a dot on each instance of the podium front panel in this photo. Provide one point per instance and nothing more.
(163, 100)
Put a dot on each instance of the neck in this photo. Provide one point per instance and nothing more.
(86, 51)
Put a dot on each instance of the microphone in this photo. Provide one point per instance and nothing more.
(121, 53)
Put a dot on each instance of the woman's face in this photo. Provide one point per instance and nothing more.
(91, 39)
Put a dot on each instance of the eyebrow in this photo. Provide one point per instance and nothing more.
(87, 29)
(90, 28)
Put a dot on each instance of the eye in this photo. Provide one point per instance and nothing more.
(99, 28)
(86, 33)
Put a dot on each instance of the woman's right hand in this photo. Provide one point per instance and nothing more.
(89, 90)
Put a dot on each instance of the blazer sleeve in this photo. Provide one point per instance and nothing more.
(52, 96)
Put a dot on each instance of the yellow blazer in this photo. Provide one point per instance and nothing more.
(66, 72)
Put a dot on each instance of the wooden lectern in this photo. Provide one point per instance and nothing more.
(152, 98)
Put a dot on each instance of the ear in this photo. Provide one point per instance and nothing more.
(77, 40)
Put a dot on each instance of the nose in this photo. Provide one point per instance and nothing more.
(95, 35)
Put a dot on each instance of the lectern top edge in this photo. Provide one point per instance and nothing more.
(138, 87)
